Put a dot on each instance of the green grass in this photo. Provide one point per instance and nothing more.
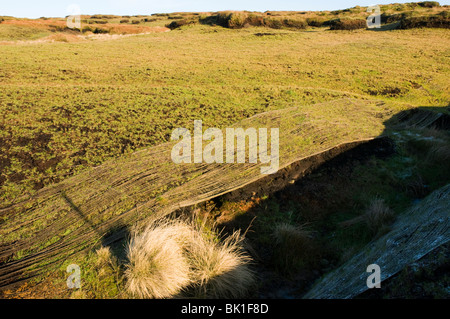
(67, 107)
(70, 106)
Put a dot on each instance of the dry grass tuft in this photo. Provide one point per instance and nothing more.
(292, 234)
(378, 215)
(174, 257)
(104, 256)
(157, 266)
(295, 249)
(220, 269)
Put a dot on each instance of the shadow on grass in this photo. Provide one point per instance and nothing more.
(115, 237)
(319, 192)
(386, 27)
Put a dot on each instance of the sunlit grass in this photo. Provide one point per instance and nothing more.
(69, 106)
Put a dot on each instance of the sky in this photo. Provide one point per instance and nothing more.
(60, 8)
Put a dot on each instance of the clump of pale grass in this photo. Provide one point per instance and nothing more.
(294, 235)
(104, 256)
(378, 215)
(104, 260)
(157, 265)
(220, 269)
(109, 274)
(294, 248)
(172, 257)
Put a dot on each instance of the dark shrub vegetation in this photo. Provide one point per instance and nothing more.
(315, 22)
(98, 21)
(255, 20)
(295, 23)
(441, 20)
(273, 23)
(237, 20)
(93, 30)
(149, 19)
(429, 4)
(391, 18)
(58, 28)
(97, 16)
(179, 23)
(348, 24)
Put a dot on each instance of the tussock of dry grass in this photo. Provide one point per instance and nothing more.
(173, 257)
(295, 249)
(104, 255)
(157, 266)
(378, 215)
(220, 270)
(291, 234)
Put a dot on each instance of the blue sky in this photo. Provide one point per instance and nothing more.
(52, 8)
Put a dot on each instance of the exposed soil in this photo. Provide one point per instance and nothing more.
(327, 160)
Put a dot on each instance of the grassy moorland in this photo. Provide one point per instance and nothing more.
(67, 107)
(71, 102)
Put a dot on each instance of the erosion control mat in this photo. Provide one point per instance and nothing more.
(422, 229)
(99, 205)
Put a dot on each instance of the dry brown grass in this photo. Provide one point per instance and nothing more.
(294, 248)
(171, 258)
(220, 269)
(107, 265)
(132, 29)
(287, 233)
(378, 215)
(157, 266)
(37, 24)
(60, 25)
(105, 257)
(62, 37)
